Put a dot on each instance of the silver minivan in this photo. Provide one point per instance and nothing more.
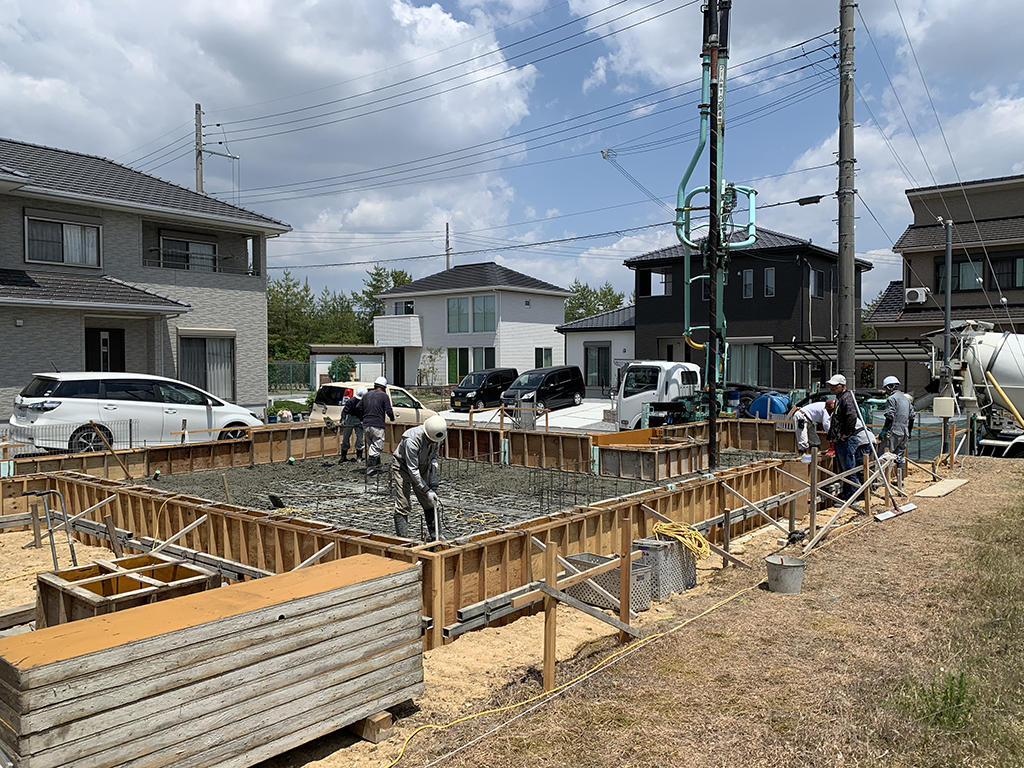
(87, 411)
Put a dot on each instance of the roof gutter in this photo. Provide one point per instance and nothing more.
(139, 308)
(449, 291)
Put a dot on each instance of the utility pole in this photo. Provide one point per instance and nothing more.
(199, 148)
(847, 246)
(447, 247)
(714, 230)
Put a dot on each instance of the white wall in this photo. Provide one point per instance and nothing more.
(620, 343)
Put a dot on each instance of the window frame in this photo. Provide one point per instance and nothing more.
(545, 355)
(769, 293)
(493, 313)
(64, 220)
(208, 335)
(748, 283)
(975, 263)
(816, 288)
(408, 307)
(162, 251)
(448, 315)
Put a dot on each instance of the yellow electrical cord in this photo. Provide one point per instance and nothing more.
(686, 535)
(605, 662)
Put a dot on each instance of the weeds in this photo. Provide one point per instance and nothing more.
(945, 702)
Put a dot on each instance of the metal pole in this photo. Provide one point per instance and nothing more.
(199, 148)
(447, 248)
(711, 25)
(847, 250)
(946, 374)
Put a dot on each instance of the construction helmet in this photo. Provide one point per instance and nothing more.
(360, 392)
(830, 404)
(891, 381)
(436, 428)
(380, 381)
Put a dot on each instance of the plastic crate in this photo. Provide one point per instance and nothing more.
(640, 592)
(673, 568)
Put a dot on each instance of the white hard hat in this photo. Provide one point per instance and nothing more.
(837, 379)
(436, 428)
(360, 392)
(891, 381)
(380, 381)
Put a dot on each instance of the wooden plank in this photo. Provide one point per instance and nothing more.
(374, 728)
(597, 570)
(942, 488)
(590, 610)
(13, 617)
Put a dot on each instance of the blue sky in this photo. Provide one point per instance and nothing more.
(370, 124)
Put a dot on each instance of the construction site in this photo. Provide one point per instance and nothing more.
(266, 555)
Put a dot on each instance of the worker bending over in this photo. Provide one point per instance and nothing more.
(899, 420)
(352, 421)
(376, 405)
(414, 468)
(806, 417)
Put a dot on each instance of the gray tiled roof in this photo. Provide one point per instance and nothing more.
(767, 240)
(50, 170)
(989, 231)
(621, 319)
(467, 277)
(968, 184)
(889, 306)
(934, 315)
(62, 289)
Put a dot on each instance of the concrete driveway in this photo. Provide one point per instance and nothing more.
(586, 417)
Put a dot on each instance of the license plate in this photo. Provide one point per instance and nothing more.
(458, 403)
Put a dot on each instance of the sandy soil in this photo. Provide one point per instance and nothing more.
(18, 567)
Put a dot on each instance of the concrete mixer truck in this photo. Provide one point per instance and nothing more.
(988, 377)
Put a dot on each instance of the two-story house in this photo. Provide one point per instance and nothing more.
(781, 289)
(988, 266)
(104, 268)
(467, 318)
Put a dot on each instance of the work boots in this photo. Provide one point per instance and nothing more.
(373, 465)
(359, 454)
(344, 457)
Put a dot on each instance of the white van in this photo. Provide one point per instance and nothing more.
(649, 381)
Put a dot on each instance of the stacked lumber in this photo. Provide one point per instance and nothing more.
(227, 677)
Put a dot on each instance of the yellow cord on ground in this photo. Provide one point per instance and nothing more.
(622, 651)
(689, 537)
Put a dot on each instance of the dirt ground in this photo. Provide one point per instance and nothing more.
(761, 680)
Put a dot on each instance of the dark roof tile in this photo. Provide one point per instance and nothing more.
(989, 231)
(889, 306)
(621, 319)
(472, 276)
(67, 289)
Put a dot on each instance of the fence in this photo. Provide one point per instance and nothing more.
(73, 437)
(288, 376)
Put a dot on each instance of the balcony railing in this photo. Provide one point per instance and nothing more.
(397, 331)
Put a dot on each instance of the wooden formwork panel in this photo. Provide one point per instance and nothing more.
(473, 444)
(653, 463)
(560, 450)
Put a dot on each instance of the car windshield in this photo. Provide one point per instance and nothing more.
(40, 387)
(528, 381)
(640, 379)
(473, 380)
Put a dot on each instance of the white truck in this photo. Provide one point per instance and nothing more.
(988, 371)
(649, 381)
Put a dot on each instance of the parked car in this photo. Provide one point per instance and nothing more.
(552, 388)
(54, 412)
(331, 398)
(482, 389)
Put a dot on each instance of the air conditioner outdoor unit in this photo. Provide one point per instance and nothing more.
(915, 295)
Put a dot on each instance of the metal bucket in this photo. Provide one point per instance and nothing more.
(785, 574)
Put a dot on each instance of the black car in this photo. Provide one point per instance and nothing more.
(482, 389)
(552, 388)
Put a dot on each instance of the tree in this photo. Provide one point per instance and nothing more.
(341, 368)
(290, 310)
(429, 363)
(586, 301)
(335, 319)
(378, 280)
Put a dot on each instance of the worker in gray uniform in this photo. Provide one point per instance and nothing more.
(415, 469)
(376, 405)
(899, 420)
(352, 421)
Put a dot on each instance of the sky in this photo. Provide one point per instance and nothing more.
(370, 125)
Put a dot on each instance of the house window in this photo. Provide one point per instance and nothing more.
(526, 303)
(62, 243)
(661, 283)
(184, 254)
(542, 357)
(818, 283)
(966, 276)
(750, 364)
(769, 282)
(458, 315)
(1007, 274)
(597, 369)
(458, 363)
(483, 357)
(208, 363)
(748, 283)
(405, 308)
(483, 314)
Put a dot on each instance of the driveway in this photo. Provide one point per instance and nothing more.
(586, 417)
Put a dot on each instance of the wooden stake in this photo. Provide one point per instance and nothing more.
(99, 432)
(867, 488)
(550, 611)
(115, 543)
(813, 500)
(227, 493)
(626, 572)
(37, 538)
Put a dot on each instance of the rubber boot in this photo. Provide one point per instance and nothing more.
(401, 525)
(359, 454)
(344, 456)
(373, 465)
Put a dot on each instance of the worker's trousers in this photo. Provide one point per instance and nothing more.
(374, 437)
(346, 434)
(806, 432)
(897, 446)
(848, 455)
(402, 489)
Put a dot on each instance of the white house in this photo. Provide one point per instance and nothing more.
(599, 345)
(437, 329)
(369, 361)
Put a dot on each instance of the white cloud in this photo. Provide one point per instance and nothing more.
(597, 76)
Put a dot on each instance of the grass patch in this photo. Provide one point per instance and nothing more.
(945, 702)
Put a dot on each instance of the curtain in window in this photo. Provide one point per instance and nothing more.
(220, 354)
(174, 254)
(202, 257)
(192, 365)
(81, 245)
(44, 241)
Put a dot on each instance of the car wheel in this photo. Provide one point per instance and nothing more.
(88, 439)
(541, 405)
(577, 398)
(237, 433)
(479, 405)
